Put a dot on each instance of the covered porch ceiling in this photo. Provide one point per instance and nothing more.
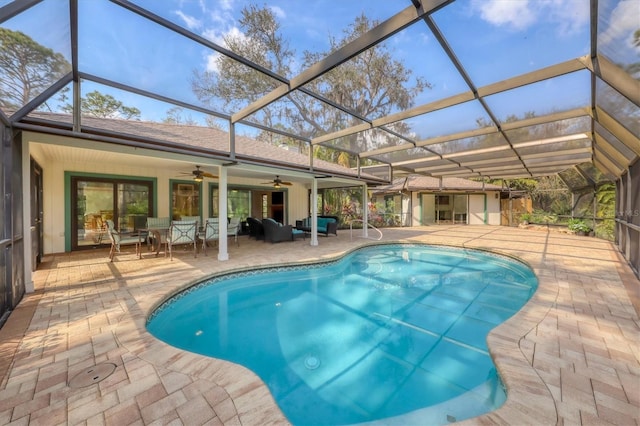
(114, 157)
(508, 102)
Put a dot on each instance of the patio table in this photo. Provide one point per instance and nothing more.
(158, 234)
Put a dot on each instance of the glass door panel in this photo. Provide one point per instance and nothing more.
(133, 206)
(444, 208)
(96, 200)
(428, 209)
(94, 205)
(460, 208)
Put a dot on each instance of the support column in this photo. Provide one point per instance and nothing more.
(27, 234)
(365, 212)
(314, 211)
(223, 254)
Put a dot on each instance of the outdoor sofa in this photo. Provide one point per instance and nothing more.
(326, 225)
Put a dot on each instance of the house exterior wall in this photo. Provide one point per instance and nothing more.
(477, 213)
(415, 209)
(56, 201)
(483, 207)
(493, 208)
(477, 202)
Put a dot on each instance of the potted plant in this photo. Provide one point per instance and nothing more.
(579, 227)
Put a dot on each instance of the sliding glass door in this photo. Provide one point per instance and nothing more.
(96, 200)
(444, 208)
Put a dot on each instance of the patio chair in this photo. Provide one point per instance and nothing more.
(276, 232)
(210, 233)
(191, 218)
(118, 240)
(233, 228)
(256, 230)
(183, 232)
(158, 222)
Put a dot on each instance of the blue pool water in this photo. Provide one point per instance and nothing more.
(390, 333)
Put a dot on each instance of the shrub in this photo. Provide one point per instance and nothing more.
(578, 225)
(525, 218)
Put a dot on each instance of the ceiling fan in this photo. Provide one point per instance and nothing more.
(277, 182)
(198, 175)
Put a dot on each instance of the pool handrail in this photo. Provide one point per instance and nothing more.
(366, 234)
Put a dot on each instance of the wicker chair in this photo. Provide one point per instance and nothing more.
(256, 230)
(276, 232)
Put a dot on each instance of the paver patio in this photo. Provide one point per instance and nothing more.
(570, 356)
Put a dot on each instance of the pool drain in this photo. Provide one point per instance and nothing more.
(92, 375)
(312, 362)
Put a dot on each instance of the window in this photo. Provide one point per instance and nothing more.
(185, 199)
(443, 200)
(238, 203)
(265, 206)
(460, 203)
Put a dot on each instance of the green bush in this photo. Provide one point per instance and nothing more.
(578, 225)
(525, 217)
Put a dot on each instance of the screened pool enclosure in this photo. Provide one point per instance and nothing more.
(495, 89)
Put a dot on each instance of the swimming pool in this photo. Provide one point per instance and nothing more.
(393, 333)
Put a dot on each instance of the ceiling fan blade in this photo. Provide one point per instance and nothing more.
(286, 183)
(209, 175)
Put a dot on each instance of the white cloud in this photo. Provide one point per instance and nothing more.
(226, 4)
(235, 33)
(511, 13)
(212, 62)
(213, 35)
(622, 22)
(279, 12)
(218, 38)
(568, 16)
(191, 22)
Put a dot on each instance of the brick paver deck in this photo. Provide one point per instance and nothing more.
(570, 356)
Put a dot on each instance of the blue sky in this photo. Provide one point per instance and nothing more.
(494, 40)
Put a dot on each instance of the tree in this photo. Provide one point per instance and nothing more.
(26, 68)
(99, 105)
(176, 115)
(373, 84)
